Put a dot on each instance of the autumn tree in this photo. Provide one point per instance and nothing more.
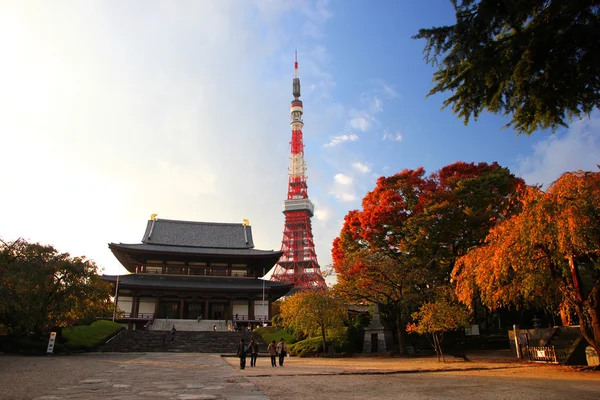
(438, 317)
(549, 249)
(313, 313)
(403, 244)
(534, 60)
(41, 288)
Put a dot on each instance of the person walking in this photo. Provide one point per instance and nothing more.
(241, 353)
(282, 351)
(164, 338)
(253, 350)
(173, 332)
(273, 353)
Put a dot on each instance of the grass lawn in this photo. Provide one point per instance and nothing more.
(269, 333)
(89, 336)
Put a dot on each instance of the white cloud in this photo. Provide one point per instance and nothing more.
(322, 214)
(347, 197)
(384, 89)
(343, 188)
(397, 137)
(577, 148)
(361, 122)
(364, 118)
(388, 90)
(376, 104)
(342, 179)
(352, 137)
(361, 167)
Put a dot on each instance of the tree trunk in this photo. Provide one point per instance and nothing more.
(594, 311)
(438, 347)
(576, 278)
(564, 317)
(401, 333)
(324, 339)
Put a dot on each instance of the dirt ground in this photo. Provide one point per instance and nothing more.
(494, 378)
(491, 375)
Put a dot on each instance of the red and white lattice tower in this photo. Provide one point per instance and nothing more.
(298, 264)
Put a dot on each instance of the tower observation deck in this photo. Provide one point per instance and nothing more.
(298, 264)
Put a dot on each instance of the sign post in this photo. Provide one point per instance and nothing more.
(51, 341)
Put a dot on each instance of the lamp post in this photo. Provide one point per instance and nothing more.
(263, 297)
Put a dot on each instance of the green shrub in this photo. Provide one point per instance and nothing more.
(269, 333)
(86, 337)
(314, 346)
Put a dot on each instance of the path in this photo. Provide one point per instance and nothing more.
(120, 376)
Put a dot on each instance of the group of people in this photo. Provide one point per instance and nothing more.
(274, 349)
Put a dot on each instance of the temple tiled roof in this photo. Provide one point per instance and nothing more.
(144, 247)
(198, 234)
(198, 283)
(167, 239)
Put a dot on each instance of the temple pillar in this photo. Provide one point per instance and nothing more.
(250, 309)
(269, 309)
(181, 307)
(157, 306)
(206, 309)
(137, 305)
(132, 311)
(230, 309)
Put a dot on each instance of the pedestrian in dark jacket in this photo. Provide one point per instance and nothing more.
(253, 350)
(241, 353)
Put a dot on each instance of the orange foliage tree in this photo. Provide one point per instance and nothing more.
(550, 249)
(401, 247)
(435, 318)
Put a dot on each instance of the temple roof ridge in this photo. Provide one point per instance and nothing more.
(198, 234)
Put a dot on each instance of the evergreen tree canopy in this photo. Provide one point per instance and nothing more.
(41, 288)
(533, 60)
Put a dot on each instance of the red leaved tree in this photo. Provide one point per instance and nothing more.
(403, 244)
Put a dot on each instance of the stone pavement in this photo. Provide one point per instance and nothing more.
(163, 376)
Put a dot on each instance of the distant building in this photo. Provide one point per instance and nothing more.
(195, 270)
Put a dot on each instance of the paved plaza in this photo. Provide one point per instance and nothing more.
(210, 376)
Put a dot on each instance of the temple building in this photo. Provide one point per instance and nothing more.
(197, 271)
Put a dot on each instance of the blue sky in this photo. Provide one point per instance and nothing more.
(111, 111)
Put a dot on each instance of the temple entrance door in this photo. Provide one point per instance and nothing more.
(217, 311)
(193, 310)
(168, 309)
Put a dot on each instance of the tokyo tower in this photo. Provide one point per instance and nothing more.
(298, 264)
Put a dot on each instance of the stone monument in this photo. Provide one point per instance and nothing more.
(378, 338)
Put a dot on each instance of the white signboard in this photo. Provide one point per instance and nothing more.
(50, 348)
(541, 353)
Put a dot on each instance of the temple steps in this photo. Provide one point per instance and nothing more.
(133, 341)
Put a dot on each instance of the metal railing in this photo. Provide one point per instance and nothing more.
(138, 316)
(542, 354)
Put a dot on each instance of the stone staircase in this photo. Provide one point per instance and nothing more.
(184, 342)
